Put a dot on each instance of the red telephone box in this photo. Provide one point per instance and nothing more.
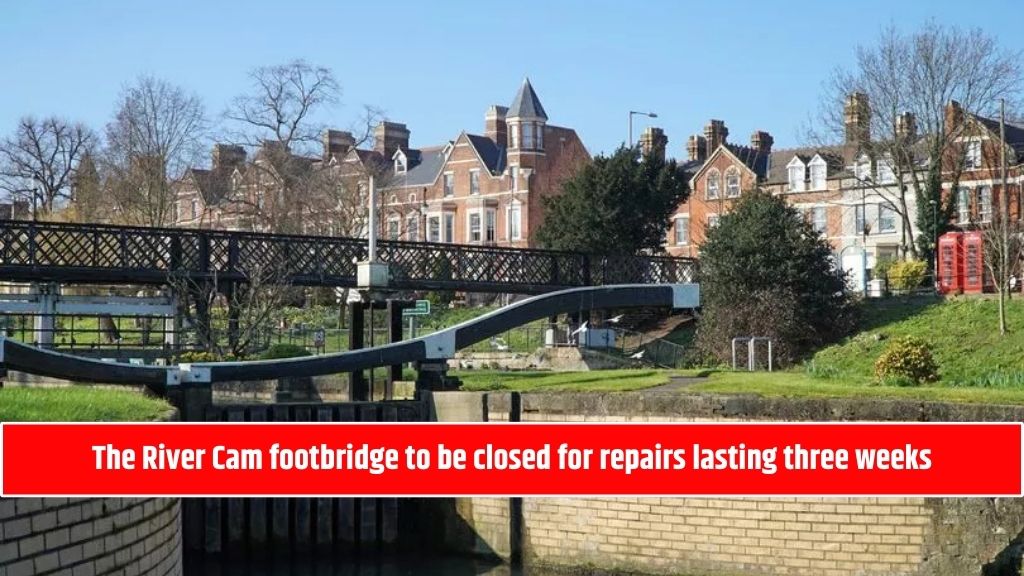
(974, 263)
(951, 266)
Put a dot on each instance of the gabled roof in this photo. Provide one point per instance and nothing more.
(213, 185)
(1014, 134)
(424, 166)
(526, 103)
(492, 154)
(752, 158)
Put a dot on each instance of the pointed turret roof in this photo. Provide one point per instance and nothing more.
(526, 103)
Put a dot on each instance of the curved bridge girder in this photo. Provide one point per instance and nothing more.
(439, 346)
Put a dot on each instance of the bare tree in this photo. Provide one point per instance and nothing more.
(37, 163)
(276, 117)
(908, 79)
(156, 134)
(1003, 237)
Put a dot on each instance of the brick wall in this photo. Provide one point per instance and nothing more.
(724, 536)
(90, 536)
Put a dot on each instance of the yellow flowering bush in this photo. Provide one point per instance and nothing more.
(907, 361)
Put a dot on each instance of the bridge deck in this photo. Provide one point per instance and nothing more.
(103, 254)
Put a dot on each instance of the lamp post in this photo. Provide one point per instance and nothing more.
(635, 113)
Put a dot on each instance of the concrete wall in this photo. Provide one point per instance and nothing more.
(90, 536)
(720, 536)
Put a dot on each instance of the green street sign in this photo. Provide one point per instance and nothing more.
(422, 308)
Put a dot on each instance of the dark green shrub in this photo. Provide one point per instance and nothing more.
(196, 357)
(278, 351)
(907, 361)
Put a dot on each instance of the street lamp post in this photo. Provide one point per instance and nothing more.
(935, 242)
(635, 113)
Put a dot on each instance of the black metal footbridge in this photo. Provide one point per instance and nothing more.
(105, 254)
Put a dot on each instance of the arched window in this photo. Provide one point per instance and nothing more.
(732, 183)
(412, 198)
(714, 184)
(393, 199)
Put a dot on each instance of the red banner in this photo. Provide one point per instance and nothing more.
(517, 459)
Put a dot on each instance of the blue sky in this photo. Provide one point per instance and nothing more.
(437, 65)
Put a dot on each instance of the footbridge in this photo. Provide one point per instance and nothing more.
(60, 253)
(434, 349)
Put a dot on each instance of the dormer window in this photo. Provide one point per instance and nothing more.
(885, 171)
(714, 183)
(862, 169)
(401, 164)
(819, 172)
(797, 173)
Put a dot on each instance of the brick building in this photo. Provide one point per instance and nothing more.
(972, 167)
(479, 188)
(847, 194)
(474, 189)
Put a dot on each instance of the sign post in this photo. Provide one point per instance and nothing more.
(422, 308)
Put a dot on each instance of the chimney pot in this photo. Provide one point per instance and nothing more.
(715, 134)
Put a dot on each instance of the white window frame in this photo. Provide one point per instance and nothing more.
(886, 214)
(448, 184)
(412, 228)
(432, 221)
(514, 220)
(528, 140)
(713, 220)
(397, 224)
(538, 136)
(730, 190)
(713, 192)
(818, 172)
(972, 154)
(474, 237)
(860, 219)
(963, 205)
(681, 223)
(984, 204)
(862, 168)
(796, 175)
(474, 182)
(513, 134)
(195, 209)
(401, 164)
(819, 219)
(885, 171)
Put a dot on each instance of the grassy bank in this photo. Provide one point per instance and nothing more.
(963, 334)
(77, 404)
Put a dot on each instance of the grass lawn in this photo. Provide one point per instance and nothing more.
(797, 384)
(77, 404)
(537, 381)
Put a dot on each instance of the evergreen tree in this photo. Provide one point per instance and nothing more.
(618, 204)
(765, 271)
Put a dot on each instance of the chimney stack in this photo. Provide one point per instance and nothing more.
(906, 125)
(495, 127)
(857, 119)
(696, 148)
(954, 115)
(227, 156)
(761, 141)
(337, 143)
(653, 142)
(389, 137)
(716, 134)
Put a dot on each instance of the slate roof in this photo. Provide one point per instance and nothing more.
(492, 154)
(526, 103)
(834, 156)
(1014, 134)
(214, 185)
(424, 166)
(751, 157)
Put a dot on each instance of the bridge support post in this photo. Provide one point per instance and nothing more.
(46, 320)
(432, 375)
(358, 387)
